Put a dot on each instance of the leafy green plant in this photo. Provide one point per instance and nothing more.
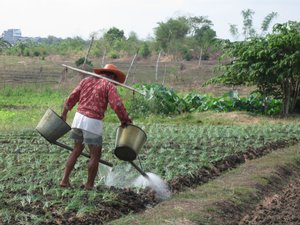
(80, 61)
(161, 100)
(270, 63)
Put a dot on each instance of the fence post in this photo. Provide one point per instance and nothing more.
(164, 75)
(156, 69)
(103, 57)
(88, 52)
(127, 75)
(200, 58)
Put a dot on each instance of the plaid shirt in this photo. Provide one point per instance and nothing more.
(93, 95)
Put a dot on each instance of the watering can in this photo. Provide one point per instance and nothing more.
(129, 139)
(52, 127)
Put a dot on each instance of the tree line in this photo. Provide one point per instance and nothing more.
(268, 61)
(182, 37)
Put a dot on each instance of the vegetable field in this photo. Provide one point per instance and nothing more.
(30, 169)
(192, 138)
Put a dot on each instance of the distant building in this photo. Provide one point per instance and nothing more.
(12, 35)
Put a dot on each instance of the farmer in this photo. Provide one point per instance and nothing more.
(92, 95)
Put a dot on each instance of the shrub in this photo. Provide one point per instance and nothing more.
(145, 51)
(80, 61)
(114, 55)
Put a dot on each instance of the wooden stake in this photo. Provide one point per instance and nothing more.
(156, 68)
(130, 68)
(87, 54)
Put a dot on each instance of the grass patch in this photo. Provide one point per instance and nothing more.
(23, 106)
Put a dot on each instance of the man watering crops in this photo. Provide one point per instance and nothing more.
(92, 95)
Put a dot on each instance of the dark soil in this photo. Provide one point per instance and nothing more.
(280, 208)
(128, 201)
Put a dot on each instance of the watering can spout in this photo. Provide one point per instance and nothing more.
(139, 169)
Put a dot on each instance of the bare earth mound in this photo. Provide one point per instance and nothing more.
(280, 208)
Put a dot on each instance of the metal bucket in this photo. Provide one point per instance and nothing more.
(52, 127)
(129, 141)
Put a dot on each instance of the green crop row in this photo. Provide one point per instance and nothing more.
(162, 100)
(30, 167)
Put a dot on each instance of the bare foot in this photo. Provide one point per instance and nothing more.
(65, 184)
(87, 187)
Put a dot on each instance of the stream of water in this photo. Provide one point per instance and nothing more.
(123, 177)
(157, 184)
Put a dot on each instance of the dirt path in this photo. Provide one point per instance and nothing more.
(281, 208)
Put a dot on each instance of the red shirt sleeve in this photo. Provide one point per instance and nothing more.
(116, 104)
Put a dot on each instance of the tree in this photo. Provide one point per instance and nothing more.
(197, 23)
(145, 50)
(132, 44)
(267, 21)
(174, 30)
(248, 30)
(185, 35)
(202, 34)
(272, 63)
(114, 34)
(204, 37)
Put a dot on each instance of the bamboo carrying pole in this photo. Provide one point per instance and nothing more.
(104, 78)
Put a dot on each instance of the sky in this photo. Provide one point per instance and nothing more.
(72, 18)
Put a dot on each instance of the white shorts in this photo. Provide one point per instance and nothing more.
(88, 124)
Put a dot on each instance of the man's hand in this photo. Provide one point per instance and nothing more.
(64, 114)
(64, 117)
(125, 124)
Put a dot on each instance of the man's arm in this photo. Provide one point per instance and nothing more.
(117, 105)
(64, 113)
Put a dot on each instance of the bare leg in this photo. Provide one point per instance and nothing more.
(78, 148)
(95, 153)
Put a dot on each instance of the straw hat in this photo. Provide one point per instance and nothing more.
(113, 69)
